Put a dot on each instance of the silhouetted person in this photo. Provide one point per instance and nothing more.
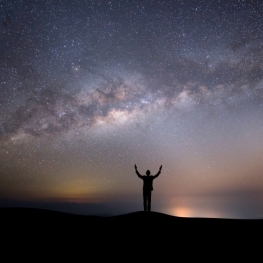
(147, 186)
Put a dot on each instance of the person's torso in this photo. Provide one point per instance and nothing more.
(148, 183)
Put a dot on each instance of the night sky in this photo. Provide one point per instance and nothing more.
(88, 89)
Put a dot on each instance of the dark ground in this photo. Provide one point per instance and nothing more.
(44, 231)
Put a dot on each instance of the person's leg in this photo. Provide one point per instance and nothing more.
(144, 201)
(149, 200)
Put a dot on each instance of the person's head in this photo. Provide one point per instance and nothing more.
(148, 172)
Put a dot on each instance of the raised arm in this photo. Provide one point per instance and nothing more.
(136, 171)
(160, 169)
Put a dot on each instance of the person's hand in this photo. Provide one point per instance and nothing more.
(135, 167)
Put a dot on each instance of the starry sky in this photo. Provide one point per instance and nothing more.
(89, 88)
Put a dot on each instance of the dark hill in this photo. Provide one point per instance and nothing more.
(39, 219)
(36, 227)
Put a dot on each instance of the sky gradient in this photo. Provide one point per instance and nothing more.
(90, 88)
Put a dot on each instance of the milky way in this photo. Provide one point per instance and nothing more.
(90, 88)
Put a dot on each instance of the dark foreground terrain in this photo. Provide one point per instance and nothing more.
(34, 230)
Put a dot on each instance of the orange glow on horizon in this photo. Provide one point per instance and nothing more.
(195, 212)
(181, 212)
